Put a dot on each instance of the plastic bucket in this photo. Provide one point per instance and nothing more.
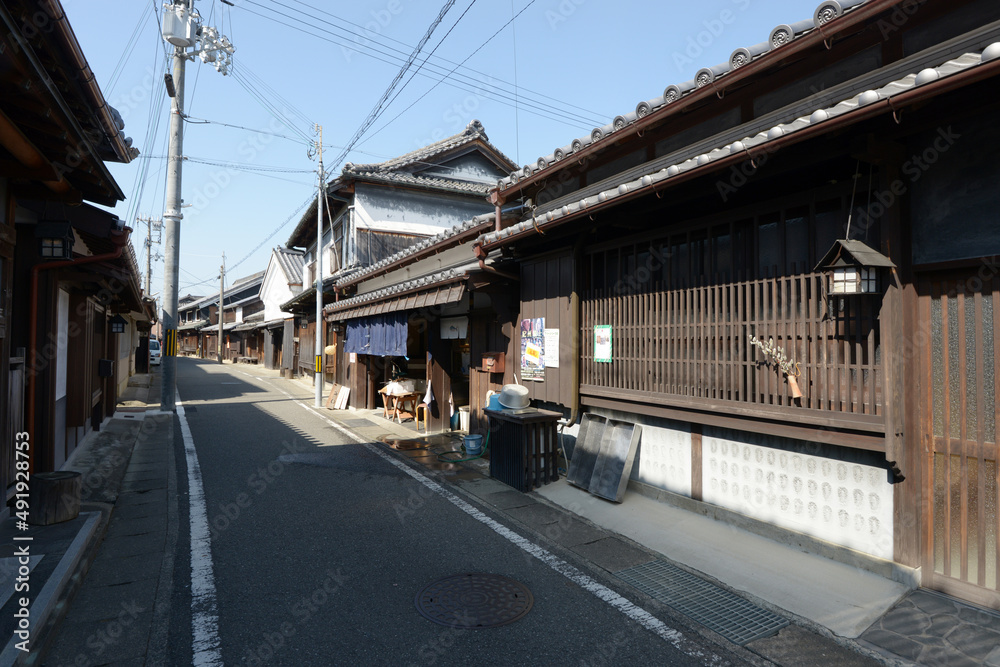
(473, 445)
(494, 403)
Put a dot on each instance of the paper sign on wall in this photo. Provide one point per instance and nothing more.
(551, 338)
(602, 343)
(533, 349)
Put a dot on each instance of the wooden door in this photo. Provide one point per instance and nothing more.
(959, 376)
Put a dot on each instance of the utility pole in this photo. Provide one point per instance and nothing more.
(181, 27)
(152, 224)
(222, 289)
(320, 328)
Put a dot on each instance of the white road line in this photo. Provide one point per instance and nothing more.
(636, 613)
(204, 611)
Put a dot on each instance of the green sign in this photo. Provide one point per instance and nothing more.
(602, 343)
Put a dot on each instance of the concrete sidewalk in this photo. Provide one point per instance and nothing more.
(98, 594)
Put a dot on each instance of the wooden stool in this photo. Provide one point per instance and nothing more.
(421, 409)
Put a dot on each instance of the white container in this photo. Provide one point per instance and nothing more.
(463, 418)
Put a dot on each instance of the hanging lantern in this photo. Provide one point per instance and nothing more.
(854, 268)
(118, 324)
(55, 239)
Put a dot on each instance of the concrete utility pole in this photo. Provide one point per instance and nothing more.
(222, 290)
(171, 224)
(182, 28)
(320, 329)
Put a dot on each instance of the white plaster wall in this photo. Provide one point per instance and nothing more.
(663, 459)
(845, 503)
(274, 292)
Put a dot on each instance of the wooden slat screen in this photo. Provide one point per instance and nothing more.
(694, 343)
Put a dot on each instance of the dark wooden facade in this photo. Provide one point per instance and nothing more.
(903, 380)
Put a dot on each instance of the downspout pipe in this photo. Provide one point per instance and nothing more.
(575, 338)
(121, 240)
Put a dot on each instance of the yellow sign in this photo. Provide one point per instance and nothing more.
(319, 363)
(170, 343)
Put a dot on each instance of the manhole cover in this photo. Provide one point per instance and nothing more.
(474, 600)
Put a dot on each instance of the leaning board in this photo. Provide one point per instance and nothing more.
(588, 446)
(614, 463)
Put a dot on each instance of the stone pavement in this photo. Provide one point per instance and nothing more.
(116, 614)
(935, 630)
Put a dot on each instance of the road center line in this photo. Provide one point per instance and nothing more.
(205, 645)
(644, 618)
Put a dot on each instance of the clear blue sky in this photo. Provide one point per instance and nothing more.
(577, 63)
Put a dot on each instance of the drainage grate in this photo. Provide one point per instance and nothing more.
(736, 619)
(474, 600)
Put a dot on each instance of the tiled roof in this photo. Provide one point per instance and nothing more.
(429, 182)
(192, 326)
(247, 279)
(780, 36)
(630, 182)
(416, 283)
(399, 171)
(415, 249)
(422, 156)
(291, 263)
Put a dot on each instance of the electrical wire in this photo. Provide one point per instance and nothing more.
(394, 118)
(277, 229)
(127, 51)
(204, 121)
(237, 76)
(261, 83)
(476, 87)
(380, 105)
(385, 40)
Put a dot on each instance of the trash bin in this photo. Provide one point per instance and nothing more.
(463, 418)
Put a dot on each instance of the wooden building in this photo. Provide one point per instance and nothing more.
(67, 270)
(682, 253)
(378, 211)
(448, 308)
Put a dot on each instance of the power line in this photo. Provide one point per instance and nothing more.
(476, 87)
(393, 119)
(277, 229)
(443, 60)
(127, 51)
(203, 121)
(377, 109)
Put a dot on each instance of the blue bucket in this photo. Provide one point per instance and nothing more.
(494, 403)
(473, 445)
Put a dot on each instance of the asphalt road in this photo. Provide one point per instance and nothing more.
(319, 547)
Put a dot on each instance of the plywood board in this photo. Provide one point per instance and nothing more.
(342, 397)
(334, 394)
